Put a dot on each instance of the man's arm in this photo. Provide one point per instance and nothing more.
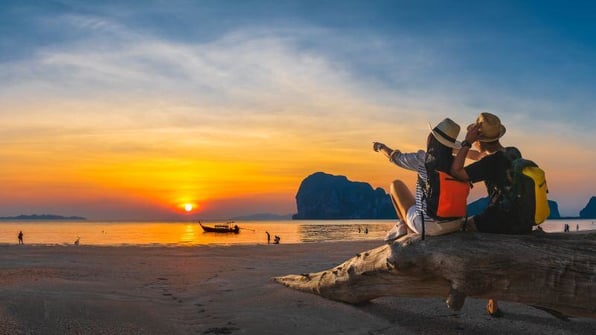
(457, 167)
(473, 154)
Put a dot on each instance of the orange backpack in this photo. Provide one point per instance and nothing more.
(445, 196)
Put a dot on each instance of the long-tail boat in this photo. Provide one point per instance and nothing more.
(228, 227)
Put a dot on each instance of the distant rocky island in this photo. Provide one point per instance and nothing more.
(42, 217)
(589, 212)
(323, 196)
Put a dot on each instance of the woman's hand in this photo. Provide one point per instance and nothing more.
(377, 146)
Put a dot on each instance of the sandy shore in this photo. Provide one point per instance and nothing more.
(220, 290)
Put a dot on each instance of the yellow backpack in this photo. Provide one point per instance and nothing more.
(528, 193)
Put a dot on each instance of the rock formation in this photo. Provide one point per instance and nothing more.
(589, 212)
(325, 196)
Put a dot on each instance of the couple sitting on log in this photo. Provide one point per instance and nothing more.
(443, 183)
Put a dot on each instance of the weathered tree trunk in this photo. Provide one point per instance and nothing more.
(553, 271)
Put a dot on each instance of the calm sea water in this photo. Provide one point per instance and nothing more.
(190, 233)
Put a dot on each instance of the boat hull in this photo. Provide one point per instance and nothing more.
(221, 229)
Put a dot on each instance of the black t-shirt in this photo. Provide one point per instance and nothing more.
(493, 170)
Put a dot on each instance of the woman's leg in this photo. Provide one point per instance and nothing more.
(402, 198)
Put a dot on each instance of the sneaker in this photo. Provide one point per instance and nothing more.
(493, 310)
(396, 232)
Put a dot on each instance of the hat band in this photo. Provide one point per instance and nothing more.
(447, 137)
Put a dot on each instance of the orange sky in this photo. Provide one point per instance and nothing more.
(102, 168)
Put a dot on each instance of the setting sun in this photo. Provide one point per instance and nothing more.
(188, 207)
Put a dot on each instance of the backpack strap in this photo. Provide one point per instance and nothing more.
(505, 198)
(423, 187)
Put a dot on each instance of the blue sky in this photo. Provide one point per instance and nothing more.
(519, 50)
(325, 77)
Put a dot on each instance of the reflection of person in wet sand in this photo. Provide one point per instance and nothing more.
(21, 237)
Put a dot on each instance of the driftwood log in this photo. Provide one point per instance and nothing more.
(555, 272)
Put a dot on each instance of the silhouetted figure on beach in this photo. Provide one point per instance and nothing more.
(276, 239)
(76, 242)
(268, 237)
(566, 228)
(366, 230)
(359, 230)
(577, 227)
(21, 237)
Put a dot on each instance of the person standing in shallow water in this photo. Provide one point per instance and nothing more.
(21, 237)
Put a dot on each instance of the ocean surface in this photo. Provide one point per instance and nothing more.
(105, 233)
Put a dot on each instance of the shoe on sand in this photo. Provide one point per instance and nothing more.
(396, 232)
(493, 310)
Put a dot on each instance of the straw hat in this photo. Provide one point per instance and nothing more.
(446, 133)
(491, 128)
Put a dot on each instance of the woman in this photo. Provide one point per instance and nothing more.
(412, 211)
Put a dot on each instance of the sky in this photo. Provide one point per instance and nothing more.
(127, 110)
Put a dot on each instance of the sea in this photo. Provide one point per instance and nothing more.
(179, 234)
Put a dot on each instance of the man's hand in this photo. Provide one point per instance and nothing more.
(474, 133)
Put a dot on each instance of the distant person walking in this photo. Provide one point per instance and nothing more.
(21, 237)
(268, 237)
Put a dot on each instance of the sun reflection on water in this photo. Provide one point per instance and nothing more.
(189, 235)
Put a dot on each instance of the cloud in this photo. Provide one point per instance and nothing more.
(254, 78)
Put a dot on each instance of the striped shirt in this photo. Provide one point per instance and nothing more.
(415, 162)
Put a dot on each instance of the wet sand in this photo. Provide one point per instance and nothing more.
(221, 290)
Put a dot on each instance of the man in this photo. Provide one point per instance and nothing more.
(493, 168)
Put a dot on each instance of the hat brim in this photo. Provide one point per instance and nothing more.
(444, 141)
(502, 131)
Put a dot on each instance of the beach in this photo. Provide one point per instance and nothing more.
(221, 290)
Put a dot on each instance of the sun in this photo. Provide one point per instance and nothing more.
(188, 207)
